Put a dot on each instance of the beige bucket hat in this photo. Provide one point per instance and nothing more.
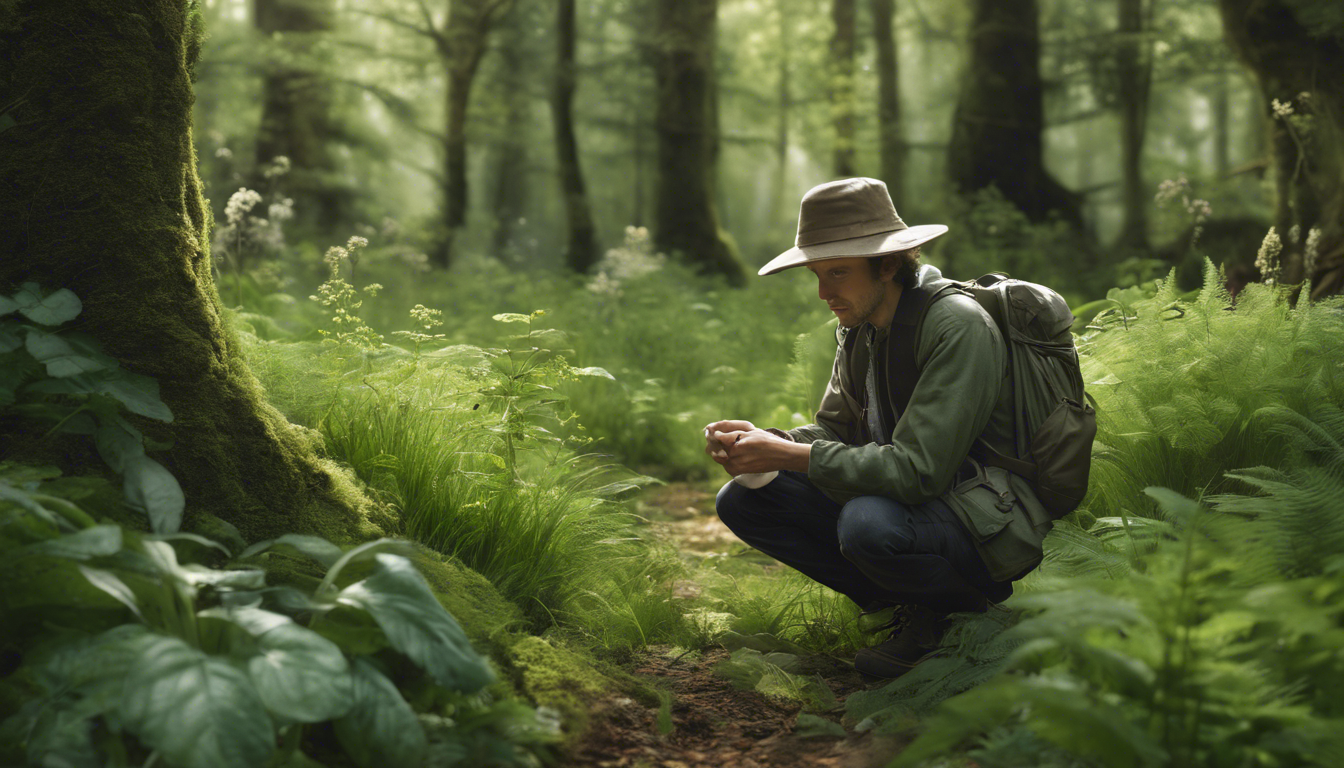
(848, 218)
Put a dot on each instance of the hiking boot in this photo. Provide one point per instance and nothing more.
(909, 643)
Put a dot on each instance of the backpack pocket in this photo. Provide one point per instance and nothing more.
(985, 501)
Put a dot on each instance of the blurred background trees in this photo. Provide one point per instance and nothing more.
(534, 133)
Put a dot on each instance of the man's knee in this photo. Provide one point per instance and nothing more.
(872, 528)
(730, 503)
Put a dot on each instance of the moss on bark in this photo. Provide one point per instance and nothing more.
(101, 196)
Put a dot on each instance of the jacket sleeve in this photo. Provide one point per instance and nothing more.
(963, 362)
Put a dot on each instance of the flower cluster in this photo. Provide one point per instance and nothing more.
(342, 298)
(279, 166)
(240, 205)
(1311, 252)
(1198, 209)
(426, 318)
(634, 259)
(1267, 260)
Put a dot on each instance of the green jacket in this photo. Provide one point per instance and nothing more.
(964, 392)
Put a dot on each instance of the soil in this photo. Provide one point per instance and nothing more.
(712, 723)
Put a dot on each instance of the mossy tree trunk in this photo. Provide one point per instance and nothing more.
(101, 197)
(686, 221)
(582, 252)
(296, 111)
(1296, 47)
(891, 144)
(1000, 116)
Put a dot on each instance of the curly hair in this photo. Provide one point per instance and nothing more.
(905, 271)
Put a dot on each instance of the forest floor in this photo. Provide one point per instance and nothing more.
(714, 724)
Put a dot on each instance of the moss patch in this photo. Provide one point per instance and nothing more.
(556, 677)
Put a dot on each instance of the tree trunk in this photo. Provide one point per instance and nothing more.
(101, 197)
(1134, 74)
(685, 217)
(1222, 128)
(1293, 52)
(296, 110)
(842, 84)
(785, 107)
(461, 49)
(582, 251)
(997, 128)
(511, 155)
(890, 143)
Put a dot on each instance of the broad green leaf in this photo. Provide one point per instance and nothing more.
(97, 667)
(25, 501)
(118, 442)
(198, 575)
(381, 730)
(8, 306)
(113, 586)
(316, 547)
(54, 731)
(53, 309)
(302, 676)
(67, 355)
(193, 538)
(594, 371)
(198, 711)
(417, 625)
(511, 317)
(10, 339)
(140, 394)
(152, 489)
(99, 541)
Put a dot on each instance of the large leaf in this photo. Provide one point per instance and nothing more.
(10, 339)
(109, 583)
(53, 309)
(118, 442)
(316, 547)
(67, 355)
(302, 676)
(140, 394)
(198, 711)
(381, 730)
(152, 489)
(99, 541)
(417, 625)
(8, 306)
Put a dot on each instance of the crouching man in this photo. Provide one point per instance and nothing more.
(879, 499)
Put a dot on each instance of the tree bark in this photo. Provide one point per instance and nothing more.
(101, 197)
(512, 142)
(1291, 53)
(843, 14)
(685, 218)
(582, 252)
(296, 111)
(999, 120)
(890, 142)
(1134, 75)
(461, 46)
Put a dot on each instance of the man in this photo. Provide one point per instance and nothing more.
(878, 499)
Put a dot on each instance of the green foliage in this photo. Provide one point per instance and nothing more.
(62, 376)
(217, 667)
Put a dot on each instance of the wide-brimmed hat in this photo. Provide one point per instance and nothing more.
(848, 218)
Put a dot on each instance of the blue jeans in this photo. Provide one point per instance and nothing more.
(872, 549)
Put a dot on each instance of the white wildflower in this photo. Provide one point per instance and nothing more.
(240, 204)
(1267, 260)
(1311, 253)
(1281, 108)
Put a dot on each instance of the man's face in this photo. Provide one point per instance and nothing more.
(849, 288)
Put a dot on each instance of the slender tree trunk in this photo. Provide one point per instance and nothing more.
(511, 183)
(463, 45)
(686, 220)
(843, 14)
(890, 142)
(582, 252)
(1000, 116)
(785, 107)
(296, 111)
(1134, 70)
(101, 197)
(1290, 58)
(1222, 112)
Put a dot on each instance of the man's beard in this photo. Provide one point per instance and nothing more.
(870, 306)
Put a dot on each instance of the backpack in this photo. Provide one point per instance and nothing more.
(1055, 427)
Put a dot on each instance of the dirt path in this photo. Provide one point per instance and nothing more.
(707, 722)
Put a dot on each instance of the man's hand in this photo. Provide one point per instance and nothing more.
(755, 450)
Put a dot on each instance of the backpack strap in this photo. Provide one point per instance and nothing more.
(903, 340)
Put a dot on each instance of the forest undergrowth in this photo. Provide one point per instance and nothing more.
(1187, 614)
